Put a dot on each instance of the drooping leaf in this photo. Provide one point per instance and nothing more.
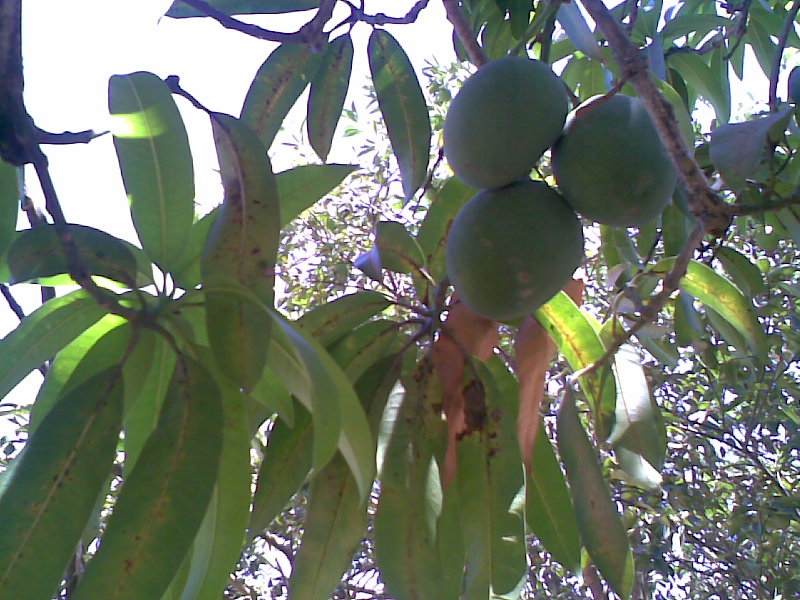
(272, 393)
(241, 250)
(51, 492)
(366, 344)
(738, 148)
(219, 541)
(599, 523)
(548, 507)
(243, 7)
(276, 87)
(164, 498)
(156, 163)
(300, 187)
(743, 272)
(328, 92)
(286, 464)
(713, 290)
(328, 322)
(37, 253)
(576, 28)
(579, 342)
(403, 107)
(705, 80)
(101, 347)
(43, 333)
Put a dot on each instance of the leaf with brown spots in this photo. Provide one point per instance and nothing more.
(465, 334)
(534, 350)
(49, 492)
(164, 499)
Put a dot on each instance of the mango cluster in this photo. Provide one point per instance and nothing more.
(517, 242)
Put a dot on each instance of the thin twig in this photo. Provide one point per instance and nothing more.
(704, 203)
(737, 210)
(384, 19)
(12, 302)
(777, 59)
(68, 137)
(465, 33)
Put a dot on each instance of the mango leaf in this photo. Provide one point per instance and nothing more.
(743, 272)
(51, 492)
(180, 10)
(285, 466)
(299, 188)
(101, 347)
(489, 479)
(328, 322)
(328, 92)
(445, 203)
(577, 30)
(9, 205)
(276, 87)
(691, 23)
(187, 274)
(156, 163)
(320, 384)
(219, 541)
(165, 497)
(356, 352)
(599, 523)
(548, 507)
(43, 333)
(738, 148)
(37, 253)
(369, 263)
(762, 45)
(713, 290)
(403, 107)
(398, 251)
(706, 80)
(577, 339)
(639, 437)
(272, 393)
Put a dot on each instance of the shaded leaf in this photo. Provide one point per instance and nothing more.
(576, 28)
(242, 7)
(403, 107)
(398, 251)
(328, 92)
(743, 272)
(713, 290)
(165, 496)
(156, 163)
(43, 333)
(299, 188)
(705, 80)
(356, 352)
(276, 87)
(51, 491)
(9, 205)
(737, 148)
(598, 521)
(37, 253)
(329, 322)
(187, 274)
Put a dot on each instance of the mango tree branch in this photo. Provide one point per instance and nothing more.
(788, 25)
(465, 33)
(705, 205)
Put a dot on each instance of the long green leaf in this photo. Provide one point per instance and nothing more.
(548, 507)
(356, 352)
(219, 542)
(43, 333)
(285, 466)
(403, 107)
(713, 290)
(9, 205)
(329, 322)
(163, 500)
(37, 253)
(156, 163)
(598, 521)
(577, 339)
(328, 92)
(276, 87)
(243, 7)
(299, 188)
(52, 489)
(705, 80)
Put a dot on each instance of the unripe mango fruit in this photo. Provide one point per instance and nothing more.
(503, 119)
(511, 249)
(610, 164)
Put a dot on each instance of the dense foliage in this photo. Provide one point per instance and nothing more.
(285, 396)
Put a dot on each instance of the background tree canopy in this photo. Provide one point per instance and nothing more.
(287, 397)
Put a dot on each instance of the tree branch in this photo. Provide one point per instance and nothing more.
(465, 33)
(384, 19)
(705, 205)
(776, 61)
